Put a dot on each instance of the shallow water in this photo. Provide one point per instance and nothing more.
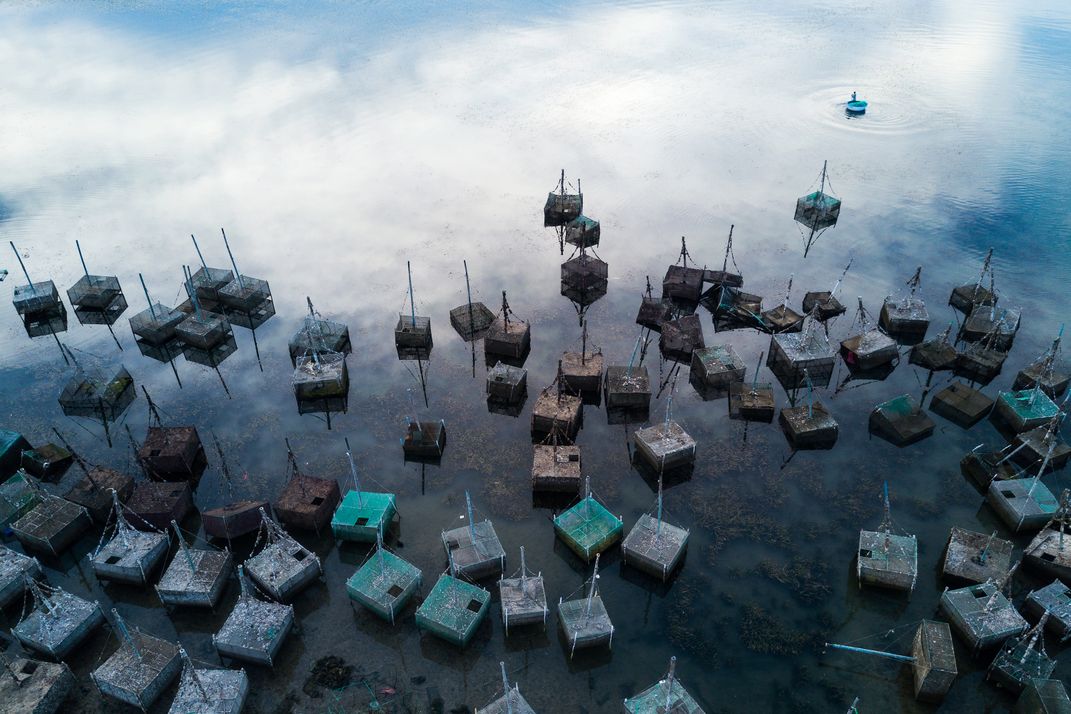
(335, 143)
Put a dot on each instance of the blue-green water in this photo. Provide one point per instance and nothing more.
(336, 142)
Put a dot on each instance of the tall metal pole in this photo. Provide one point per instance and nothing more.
(23, 266)
(472, 526)
(505, 688)
(412, 302)
(152, 310)
(199, 256)
(81, 258)
(227, 245)
(591, 590)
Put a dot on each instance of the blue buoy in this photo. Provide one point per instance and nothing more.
(855, 106)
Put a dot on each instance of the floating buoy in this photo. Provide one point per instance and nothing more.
(855, 106)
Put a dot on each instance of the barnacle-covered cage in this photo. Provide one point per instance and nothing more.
(98, 395)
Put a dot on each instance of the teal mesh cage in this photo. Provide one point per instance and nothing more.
(12, 444)
(582, 232)
(588, 528)
(666, 696)
(453, 610)
(18, 495)
(817, 210)
(1030, 406)
(384, 584)
(362, 514)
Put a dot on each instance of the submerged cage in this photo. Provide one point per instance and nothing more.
(665, 446)
(752, 401)
(129, 556)
(588, 528)
(321, 376)
(155, 505)
(901, 421)
(562, 207)
(654, 546)
(796, 356)
(475, 550)
(1022, 660)
(556, 468)
(585, 621)
(735, 309)
(716, 367)
(319, 335)
(937, 354)
(960, 404)
(156, 324)
(209, 281)
(246, 295)
(627, 387)
(209, 691)
(681, 337)
(1025, 410)
(172, 453)
(453, 610)
(934, 668)
(15, 568)
(58, 622)
(95, 292)
(510, 338)
(809, 426)
(12, 445)
(582, 273)
(471, 320)
(204, 330)
(94, 491)
(556, 413)
(997, 327)
(424, 439)
(581, 372)
(823, 304)
(98, 397)
(506, 383)
(140, 670)
(363, 514)
(35, 298)
(255, 629)
(654, 312)
(307, 502)
(196, 577)
(384, 584)
(1023, 504)
(523, 598)
(283, 567)
(887, 560)
(52, 525)
(1043, 696)
(906, 317)
(975, 557)
(666, 696)
(979, 362)
(47, 462)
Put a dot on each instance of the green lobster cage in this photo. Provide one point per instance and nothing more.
(453, 610)
(588, 528)
(384, 583)
(12, 444)
(1026, 409)
(666, 696)
(362, 514)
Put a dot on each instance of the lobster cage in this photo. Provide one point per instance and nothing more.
(583, 232)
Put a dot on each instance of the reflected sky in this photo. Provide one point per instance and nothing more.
(336, 142)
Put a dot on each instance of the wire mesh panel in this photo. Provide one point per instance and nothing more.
(204, 330)
(1021, 661)
(588, 528)
(384, 584)
(453, 610)
(471, 320)
(209, 281)
(524, 600)
(507, 383)
(1043, 696)
(98, 397)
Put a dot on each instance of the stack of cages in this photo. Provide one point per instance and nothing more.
(94, 396)
(97, 299)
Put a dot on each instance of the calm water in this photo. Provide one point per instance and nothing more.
(335, 143)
